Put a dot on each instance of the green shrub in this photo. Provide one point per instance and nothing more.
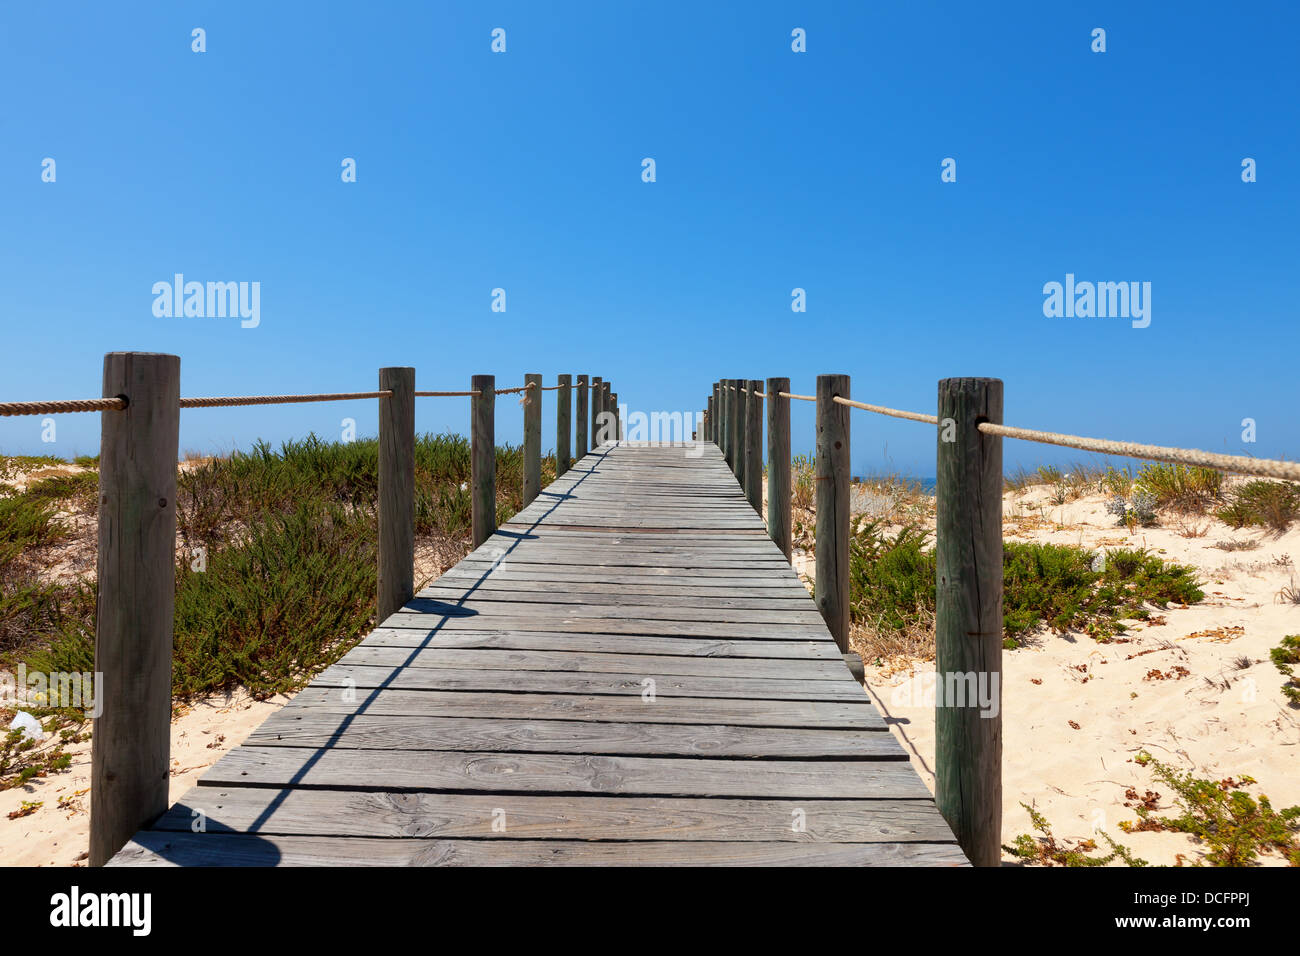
(1219, 814)
(1180, 487)
(1283, 656)
(892, 584)
(1271, 504)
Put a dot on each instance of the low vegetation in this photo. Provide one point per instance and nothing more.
(1233, 827)
(1284, 656)
(286, 579)
(1181, 488)
(1263, 504)
(1063, 587)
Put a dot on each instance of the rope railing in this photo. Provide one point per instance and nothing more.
(59, 407)
(10, 409)
(967, 542)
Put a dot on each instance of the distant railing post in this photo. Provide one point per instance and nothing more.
(617, 418)
(597, 396)
(968, 626)
(778, 465)
(754, 445)
(832, 472)
(563, 423)
(580, 420)
(396, 580)
(131, 745)
(724, 395)
(483, 455)
(532, 438)
(735, 416)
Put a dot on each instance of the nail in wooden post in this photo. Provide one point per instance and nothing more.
(968, 626)
(532, 438)
(563, 423)
(396, 582)
(778, 465)
(137, 582)
(832, 472)
(483, 455)
(754, 445)
(580, 419)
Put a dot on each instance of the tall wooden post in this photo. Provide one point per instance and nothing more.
(597, 396)
(832, 472)
(778, 465)
(580, 419)
(968, 625)
(563, 423)
(483, 457)
(532, 438)
(754, 445)
(617, 418)
(137, 584)
(396, 581)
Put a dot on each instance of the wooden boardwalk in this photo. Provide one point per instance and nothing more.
(628, 672)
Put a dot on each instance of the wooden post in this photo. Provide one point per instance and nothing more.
(532, 438)
(483, 456)
(563, 422)
(754, 445)
(732, 425)
(396, 581)
(137, 584)
(832, 472)
(968, 625)
(717, 415)
(580, 421)
(742, 431)
(597, 395)
(724, 419)
(778, 465)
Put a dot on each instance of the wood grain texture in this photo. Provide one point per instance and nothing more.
(483, 458)
(968, 616)
(396, 505)
(832, 466)
(133, 620)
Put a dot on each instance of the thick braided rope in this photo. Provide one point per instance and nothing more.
(475, 393)
(892, 412)
(802, 398)
(1263, 467)
(278, 399)
(71, 405)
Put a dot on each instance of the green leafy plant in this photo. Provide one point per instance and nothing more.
(1181, 487)
(1283, 656)
(1046, 850)
(1233, 826)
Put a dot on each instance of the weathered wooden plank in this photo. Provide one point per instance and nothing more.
(436, 770)
(601, 663)
(850, 714)
(360, 813)
(345, 674)
(161, 848)
(308, 727)
(601, 643)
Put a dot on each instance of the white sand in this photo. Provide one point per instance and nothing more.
(1218, 721)
(58, 835)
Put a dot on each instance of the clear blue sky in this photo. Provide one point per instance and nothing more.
(775, 170)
